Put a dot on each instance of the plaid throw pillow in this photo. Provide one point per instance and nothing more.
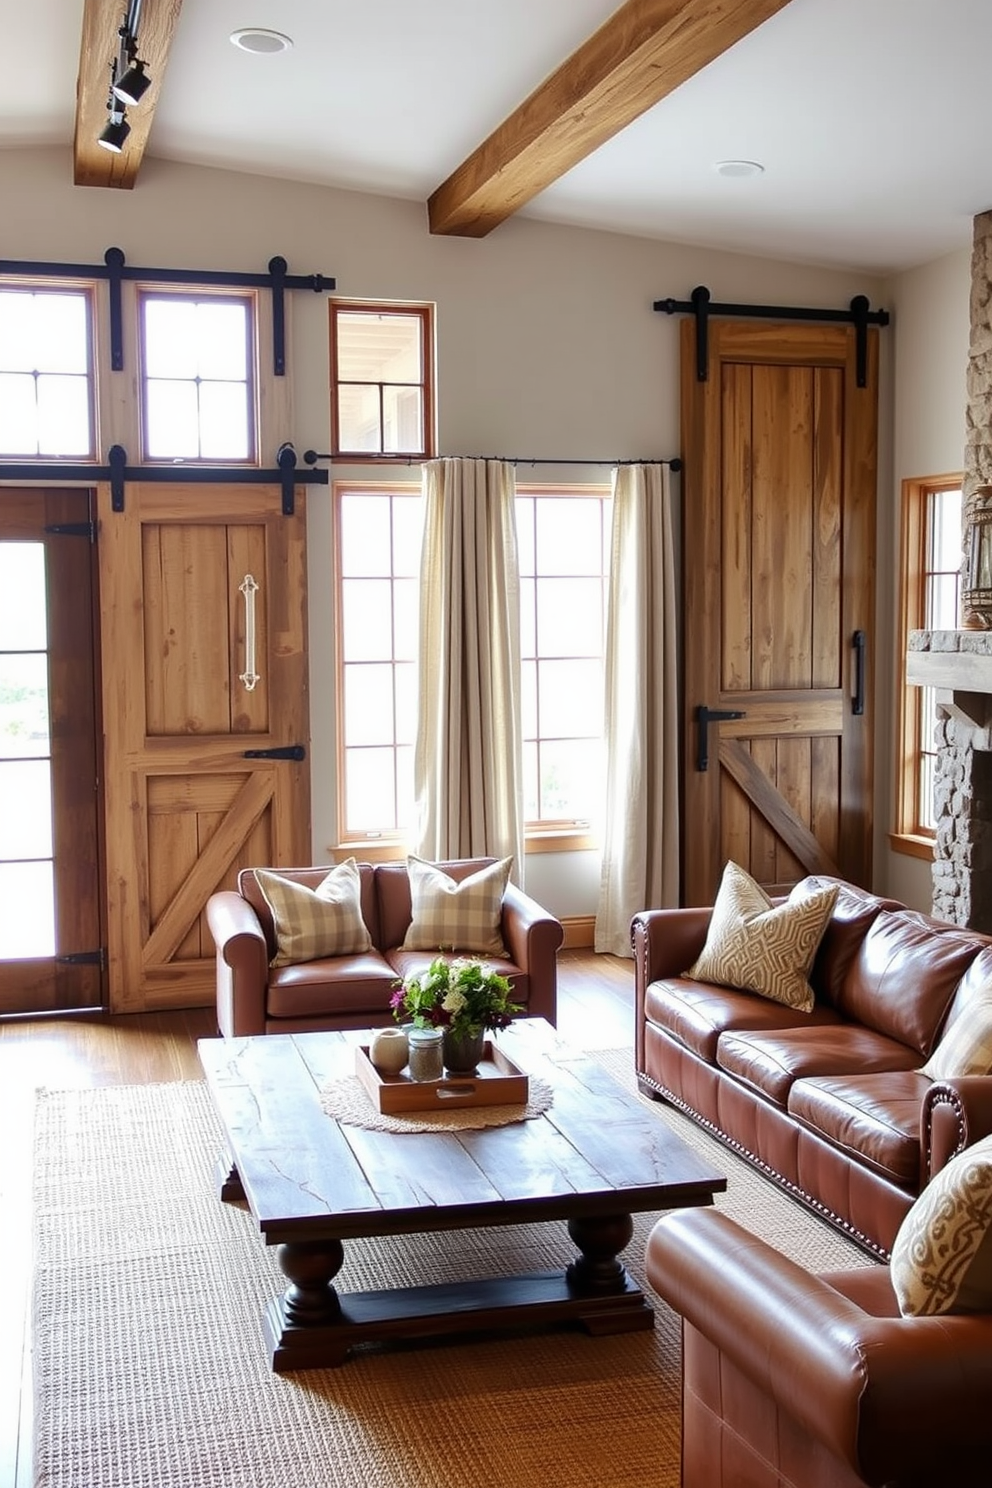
(966, 1048)
(310, 923)
(448, 915)
(942, 1254)
(760, 947)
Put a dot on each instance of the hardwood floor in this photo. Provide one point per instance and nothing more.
(595, 1011)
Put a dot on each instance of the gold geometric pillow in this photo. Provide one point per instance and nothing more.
(942, 1255)
(966, 1048)
(757, 946)
(310, 923)
(453, 915)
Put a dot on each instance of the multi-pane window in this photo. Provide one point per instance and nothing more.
(378, 549)
(197, 376)
(46, 384)
(27, 892)
(563, 544)
(381, 380)
(931, 578)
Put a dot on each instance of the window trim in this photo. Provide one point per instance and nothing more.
(249, 298)
(88, 290)
(422, 310)
(906, 837)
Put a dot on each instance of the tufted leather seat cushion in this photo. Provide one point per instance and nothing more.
(770, 1061)
(873, 1117)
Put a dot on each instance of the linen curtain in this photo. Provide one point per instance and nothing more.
(640, 867)
(468, 753)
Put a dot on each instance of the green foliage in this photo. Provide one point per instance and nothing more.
(465, 996)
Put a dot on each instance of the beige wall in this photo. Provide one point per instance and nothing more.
(930, 335)
(547, 342)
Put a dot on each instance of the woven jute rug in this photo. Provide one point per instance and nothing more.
(150, 1370)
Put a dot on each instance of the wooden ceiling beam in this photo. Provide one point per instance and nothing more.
(640, 55)
(102, 19)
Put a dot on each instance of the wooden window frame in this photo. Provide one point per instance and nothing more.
(202, 294)
(909, 836)
(87, 290)
(425, 314)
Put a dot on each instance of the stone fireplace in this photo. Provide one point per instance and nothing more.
(958, 663)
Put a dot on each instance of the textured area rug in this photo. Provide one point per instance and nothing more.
(150, 1369)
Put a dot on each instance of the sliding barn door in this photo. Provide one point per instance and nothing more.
(203, 632)
(779, 552)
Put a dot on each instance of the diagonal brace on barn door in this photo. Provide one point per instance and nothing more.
(776, 810)
(188, 903)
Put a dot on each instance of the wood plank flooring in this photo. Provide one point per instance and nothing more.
(595, 1011)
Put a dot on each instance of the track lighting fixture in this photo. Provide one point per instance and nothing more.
(128, 81)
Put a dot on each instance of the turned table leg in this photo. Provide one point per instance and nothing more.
(600, 1240)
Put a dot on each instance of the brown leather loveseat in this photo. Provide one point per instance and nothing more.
(830, 1103)
(353, 991)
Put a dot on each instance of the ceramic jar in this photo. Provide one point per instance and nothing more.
(389, 1050)
(425, 1054)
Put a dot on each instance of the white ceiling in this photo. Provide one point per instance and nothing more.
(869, 116)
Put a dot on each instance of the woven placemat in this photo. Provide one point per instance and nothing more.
(347, 1100)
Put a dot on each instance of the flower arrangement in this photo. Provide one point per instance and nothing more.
(464, 997)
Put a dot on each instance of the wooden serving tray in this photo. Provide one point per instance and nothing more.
(496, 1082)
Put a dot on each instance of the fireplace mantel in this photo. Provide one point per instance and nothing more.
(957, 664)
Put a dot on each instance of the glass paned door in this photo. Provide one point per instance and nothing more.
(50, 935)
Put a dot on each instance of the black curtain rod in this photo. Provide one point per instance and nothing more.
(311, 457)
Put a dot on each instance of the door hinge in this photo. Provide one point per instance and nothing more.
(73, 529)
(283, 752)
(85, 958)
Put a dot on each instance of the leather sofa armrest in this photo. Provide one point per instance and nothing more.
(532, 937)
(891, 1396)
(242, 964)
(665, 943)
(955, 1114)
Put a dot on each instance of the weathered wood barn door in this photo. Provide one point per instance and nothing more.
(778, 487)
(203, 630)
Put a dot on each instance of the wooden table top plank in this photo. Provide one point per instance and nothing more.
(300, 1161)
(529, 1159)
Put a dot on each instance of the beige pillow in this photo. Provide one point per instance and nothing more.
(942, 1255)
(760, 947)
(966, 1048)
(310, 923)
(448, 915)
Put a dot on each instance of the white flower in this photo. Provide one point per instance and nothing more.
(454, 1001)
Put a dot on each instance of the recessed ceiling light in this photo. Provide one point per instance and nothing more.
(738, 168)
(263, 43)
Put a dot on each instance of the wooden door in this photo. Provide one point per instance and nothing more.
(191, 718)
(50, 921)
(779, 553)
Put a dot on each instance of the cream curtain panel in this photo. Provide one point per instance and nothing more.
(640, 867)
(468, 755)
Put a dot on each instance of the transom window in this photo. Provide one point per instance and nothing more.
(563, 546)
(46, 383)
(931, 579)
(197, 376)
(382, 364)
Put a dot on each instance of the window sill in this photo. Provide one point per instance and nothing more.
(912, 844)
(376, 850)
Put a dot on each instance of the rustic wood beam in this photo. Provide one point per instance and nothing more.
(640, 55)
(102, 19)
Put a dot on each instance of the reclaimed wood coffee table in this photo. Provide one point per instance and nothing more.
(596, 1157)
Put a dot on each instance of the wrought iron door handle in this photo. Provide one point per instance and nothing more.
(859, 642)
(704, 717)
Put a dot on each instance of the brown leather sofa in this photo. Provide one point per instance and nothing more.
(799, 1381)
(829, 1103)
(354, 991)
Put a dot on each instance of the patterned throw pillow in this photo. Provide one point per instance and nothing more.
(448, 915)
(760, 947)
(310, 923)
(942, 1255)
(966, 1048)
